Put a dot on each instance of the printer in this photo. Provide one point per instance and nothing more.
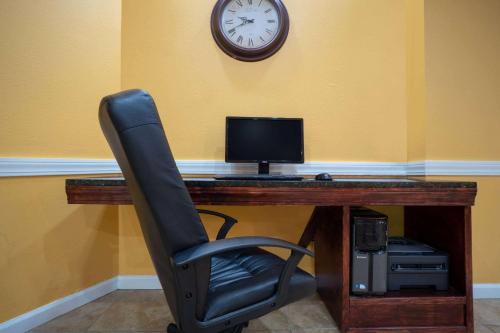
(411, 264)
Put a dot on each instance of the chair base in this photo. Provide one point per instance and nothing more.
(172, 328)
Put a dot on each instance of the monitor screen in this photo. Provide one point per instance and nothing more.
(275, 140)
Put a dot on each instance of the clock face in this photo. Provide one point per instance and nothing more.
(250, 30)
(250, 24)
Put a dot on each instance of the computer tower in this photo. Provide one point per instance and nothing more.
(368, 252)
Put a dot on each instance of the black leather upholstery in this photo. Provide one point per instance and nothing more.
(168, 218)
(210, 287)
(150, 169)
(244, 277)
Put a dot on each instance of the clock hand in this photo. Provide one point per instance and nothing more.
(245, 19)
(239, 25)
(244, 22)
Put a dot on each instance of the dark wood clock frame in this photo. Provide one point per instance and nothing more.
(245, 54)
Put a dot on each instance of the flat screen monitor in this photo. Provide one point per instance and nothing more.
(264, 141)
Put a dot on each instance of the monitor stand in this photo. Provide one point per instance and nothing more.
(262, 175)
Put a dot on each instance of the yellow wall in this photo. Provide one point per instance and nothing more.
(57, 58)
(336, 52)
(280, 222)
(485, 230)
(462, 120)
(343, 69)
(385, 80)
(169, 51)
(462, 43)
(50, 249)
(415, 78)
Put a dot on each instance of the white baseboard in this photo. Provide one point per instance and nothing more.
(481, 291)
(45, 313)
(151, 282)
(138, 282)
(17, 167)
(416, 168)
(459, 168)
(486, 290)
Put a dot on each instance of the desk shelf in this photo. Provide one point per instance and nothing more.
(412, 295)
(409, 311)
(408, 308)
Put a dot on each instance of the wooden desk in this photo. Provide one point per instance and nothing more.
(436, 213)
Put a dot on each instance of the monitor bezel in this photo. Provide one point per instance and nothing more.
(301, 120)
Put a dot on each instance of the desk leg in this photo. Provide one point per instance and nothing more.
(332, 260)
(310, 230)
(448, 229)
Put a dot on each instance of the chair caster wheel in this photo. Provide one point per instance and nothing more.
(172, 328)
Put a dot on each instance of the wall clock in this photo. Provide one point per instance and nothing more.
(250, 30)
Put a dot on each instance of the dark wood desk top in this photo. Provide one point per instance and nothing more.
(307, 182)
(341, 191)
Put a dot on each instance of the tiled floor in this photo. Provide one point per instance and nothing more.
(147, 311)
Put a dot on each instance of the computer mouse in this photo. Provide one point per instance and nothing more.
(323, 176)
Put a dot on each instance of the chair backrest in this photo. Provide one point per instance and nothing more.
(168, 218)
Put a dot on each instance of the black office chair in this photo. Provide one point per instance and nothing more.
(210, 286)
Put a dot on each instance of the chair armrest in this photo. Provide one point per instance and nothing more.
(224, 245)
(228, 222)
(286, 275)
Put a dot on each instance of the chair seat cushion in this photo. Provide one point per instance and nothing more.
(245, 277)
